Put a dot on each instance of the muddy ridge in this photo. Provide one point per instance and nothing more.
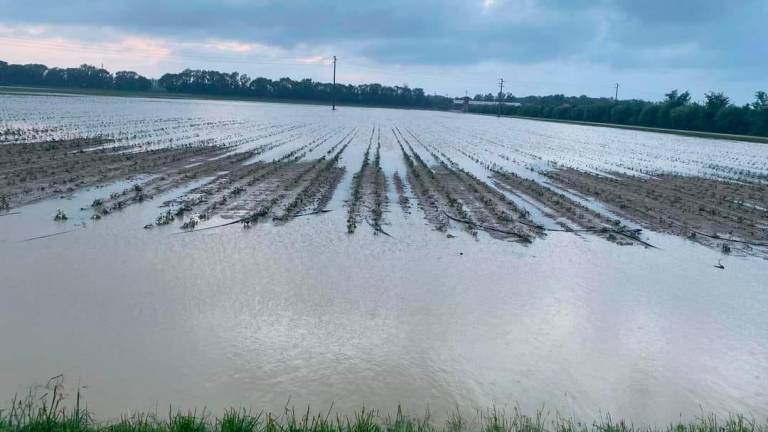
(402, 194)
(281, 189)
(569, 214)
(448, 194)
(34, 171)
(221, 176)
(710, 212)
(558, 205)
(368, 195)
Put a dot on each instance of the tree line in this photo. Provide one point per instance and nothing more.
(208, 82)
(85, 76)
(235, 84)
(716, 113)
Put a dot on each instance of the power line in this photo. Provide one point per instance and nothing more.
(333, 108)
(501, 93)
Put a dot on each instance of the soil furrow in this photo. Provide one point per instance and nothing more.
(704, 210)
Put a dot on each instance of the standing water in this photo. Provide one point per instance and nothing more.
(302, 311)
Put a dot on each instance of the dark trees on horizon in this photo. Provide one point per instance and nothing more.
(715, 113)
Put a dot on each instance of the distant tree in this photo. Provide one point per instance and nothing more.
(649, 116)
(759, 115)
(3, 68)
(675, 99)
(715, 101)
(684, 116)
(598, 112)
(244, 81)
(621, 113)
(761, 101)
(129, 80)
(261, 87)
(55, 78)
(732, 119)
(577, 113)
(562, 112)
(88, 76)
(29, 74)
(418, 96)
(531, 110)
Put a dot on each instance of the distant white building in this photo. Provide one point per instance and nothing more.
(465, 102)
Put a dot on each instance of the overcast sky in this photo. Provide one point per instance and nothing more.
(444, 46)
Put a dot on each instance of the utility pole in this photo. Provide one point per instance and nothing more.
(334, 84)
(501, 94)
(616, 98)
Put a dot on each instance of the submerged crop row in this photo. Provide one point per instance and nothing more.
(368, 195)
(225, 170)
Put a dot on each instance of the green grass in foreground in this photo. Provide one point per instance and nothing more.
(47, 413)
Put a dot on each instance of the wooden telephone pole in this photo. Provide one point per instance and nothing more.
(501, 93)
(334, 84)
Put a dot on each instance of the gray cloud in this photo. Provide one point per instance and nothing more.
(721, 37)
(438, 31)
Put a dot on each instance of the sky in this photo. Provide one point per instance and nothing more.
(449, 47)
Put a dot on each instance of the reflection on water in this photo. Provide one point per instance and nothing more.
(306, 313)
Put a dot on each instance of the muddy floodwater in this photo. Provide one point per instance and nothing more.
(215, 254)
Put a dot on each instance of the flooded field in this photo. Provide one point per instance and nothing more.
(207, 253)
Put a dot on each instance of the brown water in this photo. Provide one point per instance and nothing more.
(306, 313)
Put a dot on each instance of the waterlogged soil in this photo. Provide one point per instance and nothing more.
(402, 193)
(170, 178)
(728, 215)
(449, 194)
(368, 196)
(571, 215)
(279, 190)
(239, 186)
(34, 171)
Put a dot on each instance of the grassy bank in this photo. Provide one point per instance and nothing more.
(697, 134)
(42, 91)
(48, 413)
(492, 420)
